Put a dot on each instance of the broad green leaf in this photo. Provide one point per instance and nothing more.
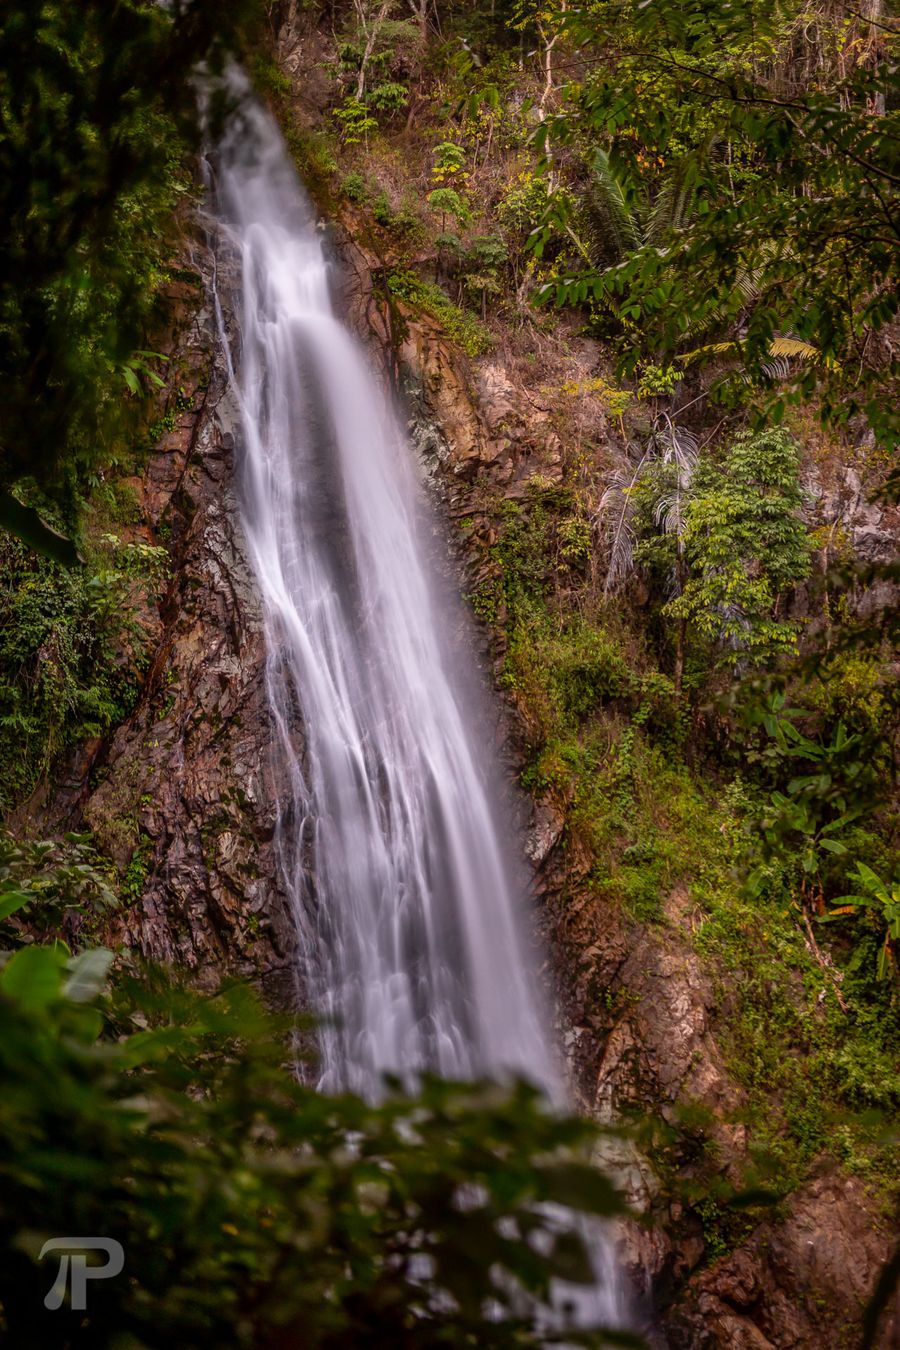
(87, 974)
(25, 523)
(11, 901)
(34, 976)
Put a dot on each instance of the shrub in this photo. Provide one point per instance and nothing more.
(252, 1210)
(354, 187)
(71, 652)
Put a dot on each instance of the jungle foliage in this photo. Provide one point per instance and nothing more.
(73, 649)
(98, 108)
(254, 1211)
(745, 161)
(711, 191)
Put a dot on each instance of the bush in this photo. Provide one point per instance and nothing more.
(354, 187)
(46, 882)
(71, 652)
(252, 1210)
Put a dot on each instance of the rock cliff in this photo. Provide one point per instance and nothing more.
(184, 799)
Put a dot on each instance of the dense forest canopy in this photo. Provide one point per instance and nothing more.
(99, 115)
(749, 156)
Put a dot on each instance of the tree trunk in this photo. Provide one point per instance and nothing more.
(679, 656)
(681, 632)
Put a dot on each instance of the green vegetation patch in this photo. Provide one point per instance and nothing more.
(461, 326)
(808, 1029)
(72, 651)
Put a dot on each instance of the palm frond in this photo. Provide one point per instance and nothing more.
(790, 348)
(674, 203)
(709, 349)
(676, 445)
(671, 446)
(778, 369)
(782, 351)
(613, 222)
(614, 518)
(669, 511)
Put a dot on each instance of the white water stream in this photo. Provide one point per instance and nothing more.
(412, 935)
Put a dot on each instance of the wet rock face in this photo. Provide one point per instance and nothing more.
(184, 797)
(803, 1283)
(636, 1009)
(856, 524)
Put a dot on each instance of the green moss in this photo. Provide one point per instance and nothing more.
(116, 504)
(608, 735)
(461, 325)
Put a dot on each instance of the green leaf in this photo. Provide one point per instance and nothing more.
(11, 901)
(25, 523)
(87, 974)
(33, 977)
(870, 878)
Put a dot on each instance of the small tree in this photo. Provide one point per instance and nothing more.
(449, 203)
(726, 541)
(449, 159)
(745, 545)
(356, 120)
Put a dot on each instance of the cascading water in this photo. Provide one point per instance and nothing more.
(411, 934)
(411, 937)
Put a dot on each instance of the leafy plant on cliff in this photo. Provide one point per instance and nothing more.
(47, 880)
(721, 543)
(72, 651)
(356, 121)
(461, 325)
(745, 545)
(883, 898)
(97, 109)
(254, 1211)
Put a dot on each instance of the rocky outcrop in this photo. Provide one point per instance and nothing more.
(804, 1282)
(183, 797)
(636, 1008)
(857, 527)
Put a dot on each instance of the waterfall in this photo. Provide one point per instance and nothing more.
(411, 932)
(412, 938)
